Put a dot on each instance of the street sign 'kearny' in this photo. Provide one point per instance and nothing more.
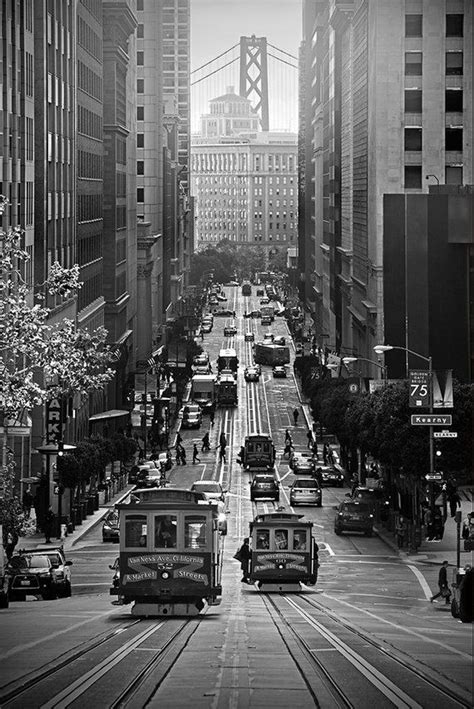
(431, 419)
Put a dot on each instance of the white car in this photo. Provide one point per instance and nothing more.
(214, 491)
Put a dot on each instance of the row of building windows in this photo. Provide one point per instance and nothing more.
(62, 36)
(29, 138)
(88, 81)
(59, 205)
(453, 101)
(89, 123)
(29, 74)
(89, 40)
(94, 7)
(91, 290)
(89, 207)
(453, 139)
(454, 26)
(60, 93)
(59, 148)
(291, 237)
(453, 63)
(90, 165)
(89, 248)
(29, 203)
(414, 176)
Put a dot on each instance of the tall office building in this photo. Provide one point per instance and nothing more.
(388, 101)
(244, 180)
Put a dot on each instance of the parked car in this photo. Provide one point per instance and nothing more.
(279, 371)
(266, 320)
(305, 491)
(249, 337)
(354, 517)
(251, 374)
(230, 330)
(268, 337)
(279, 340)
(300, 455)
(110, 527)
(264, 486)
(375, 498)
(201, 360)
(61, 567)
(31, 575)
(191, 416)
(328, 475)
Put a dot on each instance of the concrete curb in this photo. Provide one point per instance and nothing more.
(96, 520)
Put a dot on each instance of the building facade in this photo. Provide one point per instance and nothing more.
(376, 77)
(244, 180)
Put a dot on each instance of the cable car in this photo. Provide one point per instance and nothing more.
(284, 552)
(170, 554)
(258, 452)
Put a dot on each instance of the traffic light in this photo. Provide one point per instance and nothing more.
(438, 457)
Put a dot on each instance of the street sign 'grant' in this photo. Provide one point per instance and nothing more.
(431, 420)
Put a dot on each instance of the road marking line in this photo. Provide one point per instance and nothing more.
(424, 585)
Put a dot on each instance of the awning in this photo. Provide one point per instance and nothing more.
(111, 414)
(368, 305)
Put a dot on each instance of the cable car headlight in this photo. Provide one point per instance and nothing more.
(165, 574)
(221, 517)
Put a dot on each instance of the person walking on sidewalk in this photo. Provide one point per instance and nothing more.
(222, 453)
(454, 503)
(296, 414)
(48, 525)
(211, 416)
(206, 445)
(443, 585)
(288, 438)
(401, 532)
(196, 459)
(309, 437)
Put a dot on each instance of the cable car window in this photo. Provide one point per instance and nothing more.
(263, 539)
(299, 540)
(165, 531)
(281, 538)
(194, 532)
(135, 531)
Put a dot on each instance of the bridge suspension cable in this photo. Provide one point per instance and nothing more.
(214, 59)
(193, 83)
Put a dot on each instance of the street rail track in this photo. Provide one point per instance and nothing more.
(138, 684)
(377, 663)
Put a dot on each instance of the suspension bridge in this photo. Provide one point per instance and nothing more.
(260, 71)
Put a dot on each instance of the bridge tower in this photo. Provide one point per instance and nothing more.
(254, 75)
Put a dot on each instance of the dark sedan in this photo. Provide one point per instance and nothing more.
(354, 517)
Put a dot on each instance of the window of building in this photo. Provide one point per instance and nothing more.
(413, 63)
(140, 113)
(454, 63)
(413, 138)
(140, 86)
(453, 138)
(412, 176)
(454, 101)
(413, 25)
(140, 5)
(140, 58)
(140, 140)
(413, 101)
(453, 175)
(140, 167)
(454, 25)
(140, 31)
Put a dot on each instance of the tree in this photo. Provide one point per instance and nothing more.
(41, 359)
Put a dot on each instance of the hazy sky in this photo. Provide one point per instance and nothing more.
(216, 25)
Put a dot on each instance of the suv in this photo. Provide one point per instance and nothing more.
(354, 517)
(265, 486)
(61, 567)
(375, 498)
(304, 491)
(328, 475)
(31, 575)
(230, 330)
(191, 416)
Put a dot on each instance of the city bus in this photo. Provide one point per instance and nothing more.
(268, 353)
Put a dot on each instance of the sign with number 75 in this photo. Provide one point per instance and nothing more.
(420, 389)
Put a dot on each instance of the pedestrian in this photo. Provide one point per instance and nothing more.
(466, 596)
(211, 417)
(325, 453)
(296, 414)
(288, 438)
(195, 455)
(222, 439)
(330, 456)
(288, 449)
(244, 555)
(401, 532)
(438, 525)
(12, 539)
(443, 585)
(309, 437)
(454, 503)
(178, 439)
(315, 449)
(27, 501)
(468, 527)
(206, 446)
(222, 453)
(48, 525)
(202, 334)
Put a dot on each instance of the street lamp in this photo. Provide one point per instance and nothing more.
(349, 360)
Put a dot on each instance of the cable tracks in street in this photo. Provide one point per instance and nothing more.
(342, 649)
(85, 684)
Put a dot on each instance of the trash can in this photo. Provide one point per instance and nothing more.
(96, 500)
(90, 504)
(77, 515)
